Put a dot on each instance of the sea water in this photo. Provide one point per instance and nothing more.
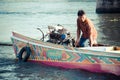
(24, 16)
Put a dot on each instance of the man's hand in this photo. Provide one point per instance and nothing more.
(90, 43)
(76, 42)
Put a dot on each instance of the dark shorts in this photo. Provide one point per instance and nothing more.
(82, 41)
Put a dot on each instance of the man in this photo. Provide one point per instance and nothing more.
(87, 29)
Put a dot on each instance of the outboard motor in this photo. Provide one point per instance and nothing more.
(58, 35)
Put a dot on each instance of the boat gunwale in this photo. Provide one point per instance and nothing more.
(76, 50)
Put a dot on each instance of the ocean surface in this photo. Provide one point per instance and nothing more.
(24, 16)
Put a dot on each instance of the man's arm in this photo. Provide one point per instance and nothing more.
(78, 33)
(90, 32)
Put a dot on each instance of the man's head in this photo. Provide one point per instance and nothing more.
(81, 15)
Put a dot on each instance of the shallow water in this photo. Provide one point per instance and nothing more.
(11, 69)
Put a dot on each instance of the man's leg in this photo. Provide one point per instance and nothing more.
(82, 42)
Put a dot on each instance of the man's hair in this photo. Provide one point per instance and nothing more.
(81, 13)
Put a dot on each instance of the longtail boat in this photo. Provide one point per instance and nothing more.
(103, 59)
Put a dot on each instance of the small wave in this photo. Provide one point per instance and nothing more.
(31, 13)
(5, 44)
(5, 71)
(24, 13)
